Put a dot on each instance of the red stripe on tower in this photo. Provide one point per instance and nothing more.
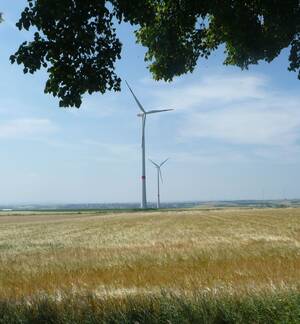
(143, 177)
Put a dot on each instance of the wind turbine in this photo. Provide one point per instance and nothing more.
(143, 115)
(159, 175)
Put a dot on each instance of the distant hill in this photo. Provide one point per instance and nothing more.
(188, 204)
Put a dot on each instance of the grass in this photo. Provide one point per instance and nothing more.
(203, 259)
(163, 308)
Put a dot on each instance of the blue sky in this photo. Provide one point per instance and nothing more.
(234, 134)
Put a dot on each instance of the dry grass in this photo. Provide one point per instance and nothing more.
(219, 250)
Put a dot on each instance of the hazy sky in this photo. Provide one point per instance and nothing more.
(234, 134)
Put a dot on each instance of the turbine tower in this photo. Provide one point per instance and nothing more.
(143, 115)
(159, 175)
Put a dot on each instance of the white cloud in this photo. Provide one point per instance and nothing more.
(241, 112)
(213, 90)
(26, 128)
(237, 109)
(208, 156)
(282, 154)
(149, 81)
(261, 124)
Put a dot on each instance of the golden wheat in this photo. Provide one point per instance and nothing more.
(229, 249)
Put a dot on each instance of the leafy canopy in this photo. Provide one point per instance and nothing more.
(76, 40)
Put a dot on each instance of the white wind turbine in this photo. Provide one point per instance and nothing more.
(143, 115)
(159, 175)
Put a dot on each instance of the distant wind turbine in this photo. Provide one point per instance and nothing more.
(143, 115)
(159, 177)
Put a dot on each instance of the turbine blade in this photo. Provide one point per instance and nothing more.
(154, 163)
(161, 178)
(135, 98)
(157, 111)
(162, 163)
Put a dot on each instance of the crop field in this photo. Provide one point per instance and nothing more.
(146, 257)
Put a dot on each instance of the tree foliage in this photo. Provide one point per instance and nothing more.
(76, 40)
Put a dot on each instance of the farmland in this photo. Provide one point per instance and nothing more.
(217, 253)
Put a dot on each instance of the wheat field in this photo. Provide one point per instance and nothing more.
(116, 254)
